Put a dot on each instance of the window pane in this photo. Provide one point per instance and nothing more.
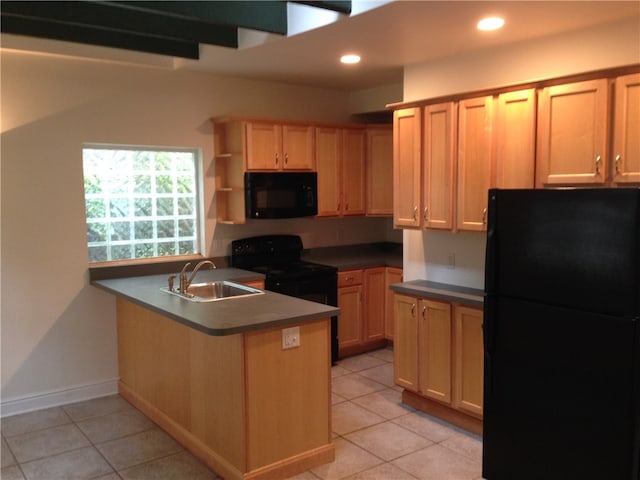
(140, 203)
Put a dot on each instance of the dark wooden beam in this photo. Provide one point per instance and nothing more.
(120, 18)
(266, 16)
(97, 36)
(336, 6)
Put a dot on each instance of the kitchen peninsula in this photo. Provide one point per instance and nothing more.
(217, 376)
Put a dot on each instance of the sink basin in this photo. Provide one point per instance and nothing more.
(215, 291)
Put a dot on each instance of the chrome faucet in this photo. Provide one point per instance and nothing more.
(184, 281)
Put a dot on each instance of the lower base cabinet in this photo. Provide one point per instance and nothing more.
(363, 297)
(439, 359)
(229, 399)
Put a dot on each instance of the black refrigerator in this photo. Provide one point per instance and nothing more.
(562, 335)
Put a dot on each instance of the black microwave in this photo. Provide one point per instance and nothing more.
(281, 194)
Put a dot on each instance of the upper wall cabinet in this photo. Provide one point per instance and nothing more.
(515, 140)
(439, 157)
(572, 134)
(353, 171)
(340, 159)
(274, 146)
(626, 136)
(474, 162)
(407, 177)
(379, 168)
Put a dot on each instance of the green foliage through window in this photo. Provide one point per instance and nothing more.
(140, 203)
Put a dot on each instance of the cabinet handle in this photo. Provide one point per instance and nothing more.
(286, 159)
(617, 164)
(276, 159)
(484, 215)
(425, 214)
(598, 159)
(424, 310)
(415, 213)
(413, 309)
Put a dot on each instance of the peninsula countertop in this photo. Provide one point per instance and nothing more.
(223, 317)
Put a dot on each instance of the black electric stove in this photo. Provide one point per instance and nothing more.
(278, 257)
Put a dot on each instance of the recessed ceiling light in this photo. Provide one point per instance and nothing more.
(490, 23)
(350, 58)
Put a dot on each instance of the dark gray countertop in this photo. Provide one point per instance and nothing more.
(441, 291)
(225, 317)
(357, 256)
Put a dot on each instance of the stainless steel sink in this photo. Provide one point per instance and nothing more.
(214, 291)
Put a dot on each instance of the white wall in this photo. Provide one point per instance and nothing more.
(426, 253)
(58, 332)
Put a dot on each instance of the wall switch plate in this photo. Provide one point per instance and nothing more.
(290, 337)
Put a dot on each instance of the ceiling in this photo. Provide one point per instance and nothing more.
(388, 36)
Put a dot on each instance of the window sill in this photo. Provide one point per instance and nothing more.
(153, 266)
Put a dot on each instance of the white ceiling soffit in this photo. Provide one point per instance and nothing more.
(387, 35)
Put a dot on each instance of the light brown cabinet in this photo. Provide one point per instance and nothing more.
(340, 160)
(515, 140)
(374, 306)
(392, 275)
(469, 359)
(438, 358)
(405, 342)
(407, 176)
(350, 304)
(353, 172)
(274, 146)
(475, 136)
(362, 299)
(440, 122)
(465, 148)
(379, 170)
(572, 134)
(229, 416)
(434, 347)
(626, 136)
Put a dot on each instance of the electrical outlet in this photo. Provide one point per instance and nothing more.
(451, 260)
(290, 337)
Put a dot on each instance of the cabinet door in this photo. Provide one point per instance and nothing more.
(350, 318)
(353, 171)
(405, 349)
(439, 157)
(469, 359)
(572, 134)
(328, 149)
(515, 129)
(474, 162)
(379, 167)
(263, 146)
(374, 297)
(392, 275)
(434, 333)
(626, 139)
(297, 147)
(406, 167)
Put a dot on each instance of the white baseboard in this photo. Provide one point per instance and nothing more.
(55, 398)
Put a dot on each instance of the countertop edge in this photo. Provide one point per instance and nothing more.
(145, 292)
(441, 291)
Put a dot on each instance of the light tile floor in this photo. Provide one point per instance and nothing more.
(376, 437)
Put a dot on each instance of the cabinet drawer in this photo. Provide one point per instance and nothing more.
(350, 277)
